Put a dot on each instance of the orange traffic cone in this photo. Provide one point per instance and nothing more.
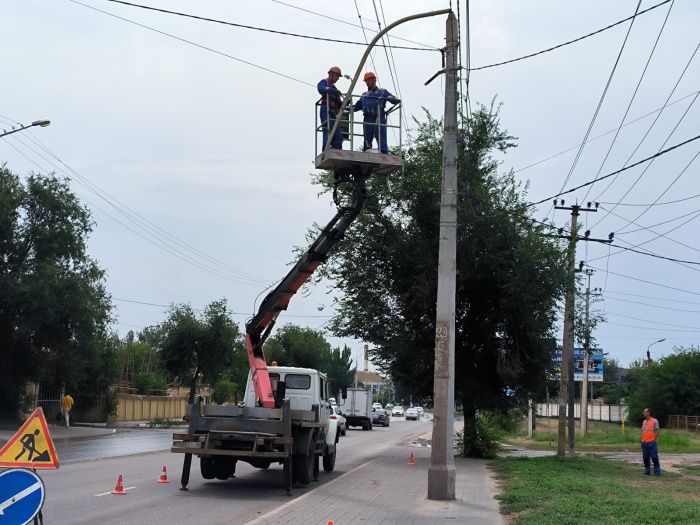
(119, 488)
(330, 523)
(164, 476)
(411, 459)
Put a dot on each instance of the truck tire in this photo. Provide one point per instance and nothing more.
(329, 461)
(224, 467)
(304, 464)
(365, 426)
(370, 425)
(206, 467)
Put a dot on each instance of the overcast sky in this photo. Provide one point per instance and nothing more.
(216, 154)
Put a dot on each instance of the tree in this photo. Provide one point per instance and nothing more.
(54, 309)
(509, 275)
(293, 345)
(195, 348)
(669, 386)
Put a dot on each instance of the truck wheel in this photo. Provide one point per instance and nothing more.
(329, 461)
(365, 426)
(206, 467)
(224, 468)
(304, 464)
(370, 425)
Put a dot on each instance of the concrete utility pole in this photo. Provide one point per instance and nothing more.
(566, 384)
(441, 473)
(586, 355)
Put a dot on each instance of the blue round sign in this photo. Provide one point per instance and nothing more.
(21, 496)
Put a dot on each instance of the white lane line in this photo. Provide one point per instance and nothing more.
(300, 498)
(105, 493)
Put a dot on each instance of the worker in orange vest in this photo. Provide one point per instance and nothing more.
(650, 435)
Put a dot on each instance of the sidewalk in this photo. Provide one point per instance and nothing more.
(60, 433)
(387, 490)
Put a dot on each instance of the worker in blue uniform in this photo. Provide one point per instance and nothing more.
(330, 105)
(372, 103)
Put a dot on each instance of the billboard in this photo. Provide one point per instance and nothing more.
(595, 364)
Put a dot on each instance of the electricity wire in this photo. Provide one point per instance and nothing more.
(634, 95)
(570, 41)
(254, 28)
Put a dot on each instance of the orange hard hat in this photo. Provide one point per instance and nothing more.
(336, 70)
(369, 75)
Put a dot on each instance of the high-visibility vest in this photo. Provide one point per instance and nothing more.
(648, 434)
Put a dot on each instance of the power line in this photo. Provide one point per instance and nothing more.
(287, 4)
(602, 98)
(254, 28)
(615, 292)
(623, 248)
(645, 281)
(190, 42)
(649, 228)
(654, 305)
(145, 303)
(646, 134)
(652, 322)
(570, 41)
(649, 328)
(634, 95)
(654, 203)
(647, 159)
(604, 134)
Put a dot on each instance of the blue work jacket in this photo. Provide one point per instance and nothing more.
(374, 101)
(330, 94)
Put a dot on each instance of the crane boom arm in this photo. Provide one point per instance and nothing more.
(258, 328)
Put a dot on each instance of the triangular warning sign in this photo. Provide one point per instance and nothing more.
(31, 447)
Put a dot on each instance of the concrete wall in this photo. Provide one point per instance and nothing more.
(596, 411)
(143, 408)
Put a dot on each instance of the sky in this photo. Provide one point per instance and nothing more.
(193, 142)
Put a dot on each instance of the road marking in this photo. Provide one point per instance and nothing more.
(20, 495)
(105, 493)
(296, 500)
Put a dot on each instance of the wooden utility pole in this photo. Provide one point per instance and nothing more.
(441, 473)
(586, 355)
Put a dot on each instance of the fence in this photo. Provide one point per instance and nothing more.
(596, 412)
(142, 408)
(686, 422)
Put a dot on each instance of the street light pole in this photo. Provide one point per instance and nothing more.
(649, 353)
(42, 123)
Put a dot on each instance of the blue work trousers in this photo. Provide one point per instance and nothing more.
(375, 129)
(328, 122)
(650, 452)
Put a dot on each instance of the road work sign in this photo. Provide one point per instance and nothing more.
(21, 496)
(31, 447)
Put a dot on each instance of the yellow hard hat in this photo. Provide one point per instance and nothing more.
(369, 75)
(336, 70)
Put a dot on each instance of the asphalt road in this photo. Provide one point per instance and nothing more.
(78, 493)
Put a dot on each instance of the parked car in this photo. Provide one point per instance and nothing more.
(397, 411)
(380, 417)
(342, 422)
(411, 413)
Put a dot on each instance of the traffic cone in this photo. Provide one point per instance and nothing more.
(164, 476)
(330, 523)
(119, 488)
(411, 459)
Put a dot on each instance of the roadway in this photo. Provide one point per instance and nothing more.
(79, 492)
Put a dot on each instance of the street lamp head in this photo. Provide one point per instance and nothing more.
(42, 123)
(661, 340)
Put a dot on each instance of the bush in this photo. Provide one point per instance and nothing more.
(480, 439)
(224, 391)
(150, 383)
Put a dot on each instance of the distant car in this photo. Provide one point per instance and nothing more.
(412, 413)
(378, 406)
(389, 406)
(420, 410)
(397, 411)
(332, 401)
(380, 417)
(342, 423)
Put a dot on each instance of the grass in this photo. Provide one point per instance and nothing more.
(584, 490)
(693, 469)
(604, 437)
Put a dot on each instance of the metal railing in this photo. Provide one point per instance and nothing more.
(684, 422)
(353, 129)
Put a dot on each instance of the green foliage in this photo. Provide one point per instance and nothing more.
(479, 438)
(669, 386)
(198, 347)
(54, 309)
(509, 275)
(163, 423)
(305, 347)
(224, 390)
(552, 491)
(150, 383)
